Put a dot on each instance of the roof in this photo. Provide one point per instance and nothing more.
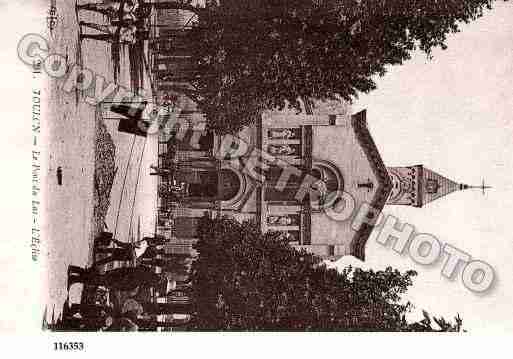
(359, 123)
(436, 186)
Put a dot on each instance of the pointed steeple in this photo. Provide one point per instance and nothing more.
(435, 186)
(418, 185)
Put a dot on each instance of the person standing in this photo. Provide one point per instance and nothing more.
(122, 251)
(86, 317)
(123, 279)
(125, 34)
(113, 9)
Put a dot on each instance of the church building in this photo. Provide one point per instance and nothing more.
(324, 142)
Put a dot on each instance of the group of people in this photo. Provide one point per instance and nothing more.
(144, 254)
(126, 282)
(126, 21)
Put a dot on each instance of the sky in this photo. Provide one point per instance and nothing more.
(453, 115)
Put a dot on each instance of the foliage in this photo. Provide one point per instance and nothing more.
(245, 280)
(279, 51)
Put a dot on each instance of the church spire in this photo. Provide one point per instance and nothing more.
(418, 185)
(435, 186)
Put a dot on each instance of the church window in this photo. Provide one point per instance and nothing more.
(289, 224)
(284, 133)
(230, 185)
(432, 186)
(284, 149)
(284, 220)
(328, 182)
(285, 142)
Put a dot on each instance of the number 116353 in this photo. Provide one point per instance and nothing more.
(68, 346)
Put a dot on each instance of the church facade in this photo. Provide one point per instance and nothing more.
(323, 143)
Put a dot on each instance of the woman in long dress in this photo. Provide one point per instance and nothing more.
(114, 9)
(121, 251)
(125, 34)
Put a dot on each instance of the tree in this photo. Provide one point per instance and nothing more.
(245, 280)
(277, 52)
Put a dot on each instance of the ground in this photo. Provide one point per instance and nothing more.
(71, 131)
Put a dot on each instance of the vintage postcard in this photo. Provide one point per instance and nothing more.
(271, 165)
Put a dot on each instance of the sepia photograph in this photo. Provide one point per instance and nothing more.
(270, 165)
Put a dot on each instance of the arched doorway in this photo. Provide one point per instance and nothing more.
(209, 185)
